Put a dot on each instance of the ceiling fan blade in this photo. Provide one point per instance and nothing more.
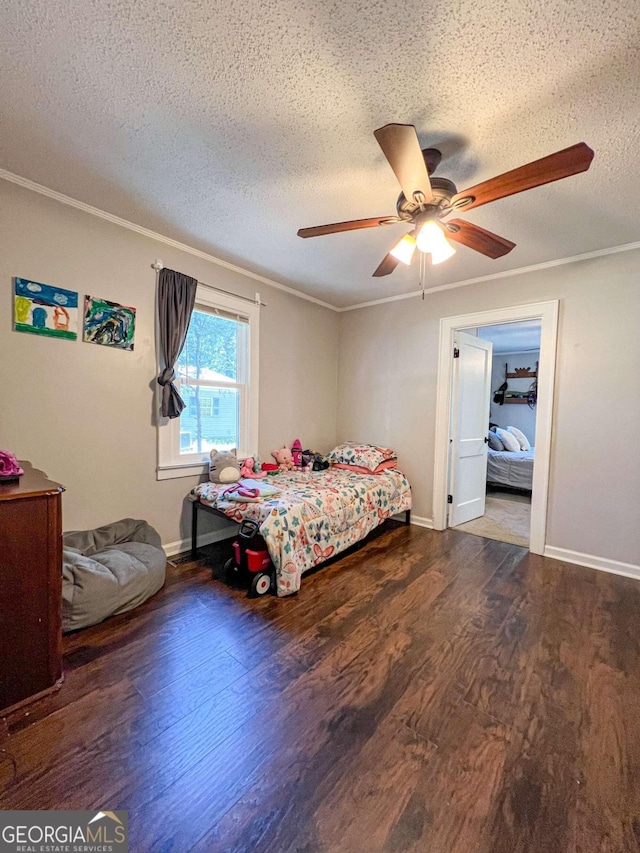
(400, 145)
(562, 164)
(386, 266)
(477, 238)
(353, 225)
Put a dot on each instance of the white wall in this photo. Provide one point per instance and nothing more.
(514, 414)
(84, 414)
(387, 392)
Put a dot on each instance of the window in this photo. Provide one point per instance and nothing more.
(217, 377)
(203, 405)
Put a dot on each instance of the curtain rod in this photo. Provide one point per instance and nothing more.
(157, 265)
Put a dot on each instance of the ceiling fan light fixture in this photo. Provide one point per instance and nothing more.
(404, 249)
(431, 239)
(442, 253)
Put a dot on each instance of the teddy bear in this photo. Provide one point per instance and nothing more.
(224, 466)
(284, 458)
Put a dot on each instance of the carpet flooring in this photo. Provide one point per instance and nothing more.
(505, 519)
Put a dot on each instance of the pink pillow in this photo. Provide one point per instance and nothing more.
(387, 465)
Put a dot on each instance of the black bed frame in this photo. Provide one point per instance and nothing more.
(197, 505)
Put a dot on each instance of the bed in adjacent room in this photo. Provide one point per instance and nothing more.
(316, 515)
(510, 468)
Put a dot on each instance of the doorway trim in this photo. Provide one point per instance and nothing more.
(547, 313)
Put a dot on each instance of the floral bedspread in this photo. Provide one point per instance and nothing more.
(317, 515)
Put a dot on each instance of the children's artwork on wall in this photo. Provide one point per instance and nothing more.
(42, 309)
(108, 323)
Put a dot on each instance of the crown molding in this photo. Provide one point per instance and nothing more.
(598, 253)
(183, 247)
(153, 235)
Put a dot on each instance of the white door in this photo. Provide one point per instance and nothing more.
(469, 427)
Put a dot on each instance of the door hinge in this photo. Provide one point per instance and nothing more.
(449, 499)
(456, 352)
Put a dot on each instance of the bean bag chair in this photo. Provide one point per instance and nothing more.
(108, 571)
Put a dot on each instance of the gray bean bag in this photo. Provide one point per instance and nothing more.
(109, 570)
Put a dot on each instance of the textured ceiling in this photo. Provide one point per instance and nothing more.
(229, 125)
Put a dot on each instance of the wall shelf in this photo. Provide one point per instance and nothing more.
(502, 398)
(521, 372)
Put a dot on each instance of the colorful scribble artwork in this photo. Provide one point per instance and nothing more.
(42, 309)
(108, 323)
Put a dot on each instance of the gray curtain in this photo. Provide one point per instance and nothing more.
(176, 298)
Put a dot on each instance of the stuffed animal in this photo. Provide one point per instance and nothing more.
(296, 453)
(251, 468)
(320, 462)
(312, 461)
(284, 458)
(224, 466)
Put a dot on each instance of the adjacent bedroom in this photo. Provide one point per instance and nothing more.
(511, 433)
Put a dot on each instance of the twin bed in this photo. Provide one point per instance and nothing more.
(317, 515)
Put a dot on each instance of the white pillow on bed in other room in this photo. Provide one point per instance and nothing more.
(509, 440)
(522, 439)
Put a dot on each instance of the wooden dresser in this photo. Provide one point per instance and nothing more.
(30, 588)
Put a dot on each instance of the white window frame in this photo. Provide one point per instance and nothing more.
(170, 463)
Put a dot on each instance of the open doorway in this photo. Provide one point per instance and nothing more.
(511, 433)
(511, 493)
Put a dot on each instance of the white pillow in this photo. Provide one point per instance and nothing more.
(509, 440)
(521, 438)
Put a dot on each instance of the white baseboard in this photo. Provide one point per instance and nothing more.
(182, 545)
(422, 522)
(603, 564)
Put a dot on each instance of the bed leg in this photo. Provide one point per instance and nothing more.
(407, 516)
(194, 531)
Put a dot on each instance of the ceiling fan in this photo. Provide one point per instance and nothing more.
(426, 201)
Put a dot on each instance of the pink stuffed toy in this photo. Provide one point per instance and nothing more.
(247, 469)
(284, 459)
(296, 453)
(9, 467)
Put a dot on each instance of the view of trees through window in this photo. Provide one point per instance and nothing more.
(209, 357)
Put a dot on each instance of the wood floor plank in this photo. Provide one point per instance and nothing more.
(608, 797)
(363, 652)
(337, 702)
(430, 692)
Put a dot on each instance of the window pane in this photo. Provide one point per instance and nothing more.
(211, 418)
(211, 349)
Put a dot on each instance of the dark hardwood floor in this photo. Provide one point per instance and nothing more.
(432, 692)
